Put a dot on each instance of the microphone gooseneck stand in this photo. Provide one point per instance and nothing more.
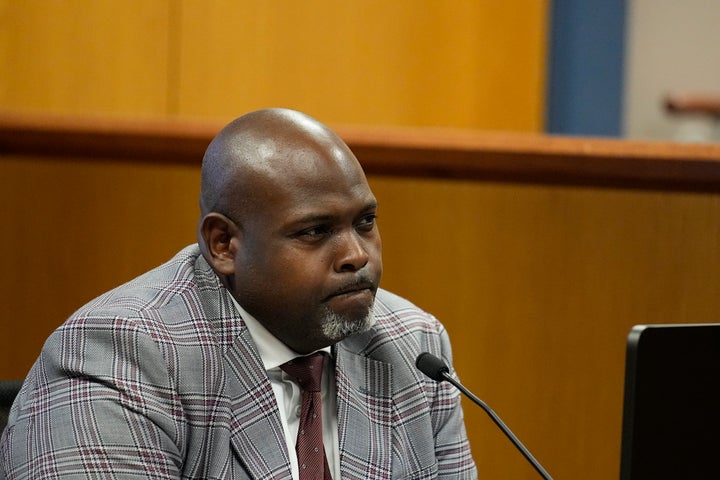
(436, 369)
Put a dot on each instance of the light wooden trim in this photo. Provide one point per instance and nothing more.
(412, 152)
(705, 104)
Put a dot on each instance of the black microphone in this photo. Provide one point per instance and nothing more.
(436, 369)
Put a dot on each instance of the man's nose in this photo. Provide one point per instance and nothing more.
(352, 253)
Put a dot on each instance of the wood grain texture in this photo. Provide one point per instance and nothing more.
(85, 57)
(466, 63)
(402, 151)
(409, 62)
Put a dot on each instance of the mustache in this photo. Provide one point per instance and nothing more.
(361, 282)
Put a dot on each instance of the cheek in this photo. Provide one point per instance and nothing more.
(377, 243)
(253, 277)
(289, 275)
(375, 251)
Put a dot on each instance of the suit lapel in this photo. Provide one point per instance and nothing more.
(364, 393)
(256, 431)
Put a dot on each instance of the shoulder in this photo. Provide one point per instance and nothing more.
(180, 298)
(164, 321)
(399, 316)
(153, 289)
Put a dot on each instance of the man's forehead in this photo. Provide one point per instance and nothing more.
(319, 206)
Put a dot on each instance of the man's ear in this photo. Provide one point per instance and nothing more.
(219, 235)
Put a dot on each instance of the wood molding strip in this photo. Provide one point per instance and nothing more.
(397, 151)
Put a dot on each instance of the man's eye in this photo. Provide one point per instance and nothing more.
(367, 222)
(314, 232)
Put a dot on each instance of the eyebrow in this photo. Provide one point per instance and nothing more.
(322, 218)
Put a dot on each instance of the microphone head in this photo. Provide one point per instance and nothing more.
(431, 366)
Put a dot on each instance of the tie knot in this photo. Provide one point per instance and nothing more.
(307, 371)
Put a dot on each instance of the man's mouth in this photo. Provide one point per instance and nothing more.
(358, 287)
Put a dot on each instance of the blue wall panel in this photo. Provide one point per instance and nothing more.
(587, 51)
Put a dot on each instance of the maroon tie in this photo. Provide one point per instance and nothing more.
(307, 372)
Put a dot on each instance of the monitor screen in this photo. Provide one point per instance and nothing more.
(671, 413)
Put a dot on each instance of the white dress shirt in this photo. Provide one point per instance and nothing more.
(289, 396)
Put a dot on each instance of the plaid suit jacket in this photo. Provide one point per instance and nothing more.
(160, 379)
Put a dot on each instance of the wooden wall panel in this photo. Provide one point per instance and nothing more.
(539, 287)
(466, 63)
(74, 228)
(77, 56)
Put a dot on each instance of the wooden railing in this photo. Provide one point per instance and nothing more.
(691, 103)
(414, 152)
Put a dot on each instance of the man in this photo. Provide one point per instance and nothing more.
(183, 372)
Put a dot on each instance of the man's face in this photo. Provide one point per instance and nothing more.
(309, 255)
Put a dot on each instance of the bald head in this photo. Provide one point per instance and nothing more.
(265, 143)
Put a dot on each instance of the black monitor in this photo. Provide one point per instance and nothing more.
(671, 415)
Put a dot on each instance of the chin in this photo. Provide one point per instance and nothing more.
(338, 327)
